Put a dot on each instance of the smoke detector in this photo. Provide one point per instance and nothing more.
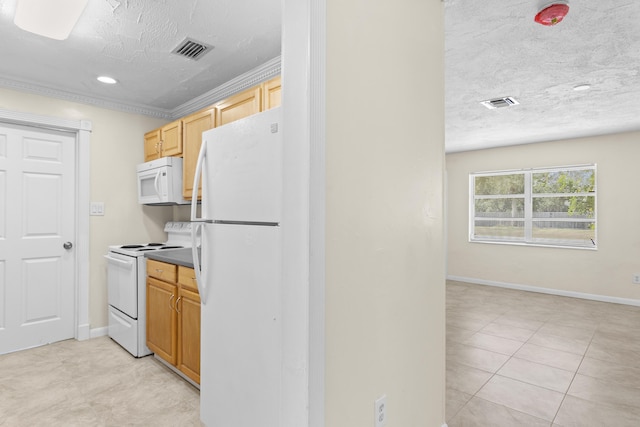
(552, 14)
(496, 103)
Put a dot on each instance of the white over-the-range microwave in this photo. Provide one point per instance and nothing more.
(160, 182)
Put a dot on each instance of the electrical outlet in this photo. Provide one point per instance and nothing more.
(635, 278)
(381, 411)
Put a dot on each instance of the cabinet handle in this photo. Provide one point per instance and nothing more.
(178, 300)
(170, 298)
(159, 271)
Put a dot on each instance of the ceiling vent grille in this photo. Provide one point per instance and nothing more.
(492, 104)
(192, 49)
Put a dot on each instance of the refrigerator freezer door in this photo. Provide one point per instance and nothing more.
(241, 326)
(242, 170)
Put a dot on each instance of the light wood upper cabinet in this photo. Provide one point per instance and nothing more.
(171, 139)
(192, 128)
(183, 138)
(152, 145)
(239, 106)
(272, 93)
(163, 142)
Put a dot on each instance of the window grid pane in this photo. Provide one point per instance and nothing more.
(544, 206)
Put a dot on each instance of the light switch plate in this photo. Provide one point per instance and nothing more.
(96, 208)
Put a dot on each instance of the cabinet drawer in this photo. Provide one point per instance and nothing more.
(187, 278)
(162, 270)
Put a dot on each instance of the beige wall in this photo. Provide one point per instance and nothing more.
(384, 215)
(606, 271)
(116, 148)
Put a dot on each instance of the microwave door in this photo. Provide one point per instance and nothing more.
(151, 186)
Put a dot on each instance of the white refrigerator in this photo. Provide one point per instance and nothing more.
(239, 272)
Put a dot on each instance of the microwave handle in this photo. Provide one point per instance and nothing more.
(156, 181)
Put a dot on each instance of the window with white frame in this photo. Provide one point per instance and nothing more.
(550, 206)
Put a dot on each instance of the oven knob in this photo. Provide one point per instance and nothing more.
(67, 245)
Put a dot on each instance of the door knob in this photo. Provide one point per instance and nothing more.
(67, 245)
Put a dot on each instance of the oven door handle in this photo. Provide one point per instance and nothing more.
(119, 261)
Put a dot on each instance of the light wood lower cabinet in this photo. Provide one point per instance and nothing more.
(162, 319)
(173, 316)
(188, 324)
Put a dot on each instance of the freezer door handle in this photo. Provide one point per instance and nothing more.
(196, 181)
(196, 262)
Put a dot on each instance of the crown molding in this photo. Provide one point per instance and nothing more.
(37, 89)
(244, 81)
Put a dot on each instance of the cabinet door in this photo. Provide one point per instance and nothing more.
(239, 106)
(271, 93)
(171, 139)
(162, 319)
(152, 145)
(192, 128)
(189, 334)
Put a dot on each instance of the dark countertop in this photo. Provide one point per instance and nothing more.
(182, 257)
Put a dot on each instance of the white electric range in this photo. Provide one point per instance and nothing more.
(126, 290)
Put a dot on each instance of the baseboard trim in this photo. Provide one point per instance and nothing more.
(175, 370)
(84, 332)
(573, 294)
(99, 332)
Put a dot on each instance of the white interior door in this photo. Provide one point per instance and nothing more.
(37, 217)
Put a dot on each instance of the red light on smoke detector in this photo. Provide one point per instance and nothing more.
(553, 14)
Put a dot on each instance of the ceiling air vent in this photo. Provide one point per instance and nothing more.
(192, 49)
(492, 104)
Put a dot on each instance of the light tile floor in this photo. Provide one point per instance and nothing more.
(513, 359)
(92, 383)
(518, 358)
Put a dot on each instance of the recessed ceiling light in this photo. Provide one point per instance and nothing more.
(584, 86)
(107, 80)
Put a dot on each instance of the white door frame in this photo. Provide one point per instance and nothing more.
(303, 102)
(82, 130)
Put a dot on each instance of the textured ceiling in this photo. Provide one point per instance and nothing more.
(493, 49)
(132, 40)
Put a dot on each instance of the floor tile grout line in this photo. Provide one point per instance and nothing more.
(574, 376)
(555, 317)
(496, 373)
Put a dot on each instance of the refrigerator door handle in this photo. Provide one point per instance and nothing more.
(196, 262)
(196, 181)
